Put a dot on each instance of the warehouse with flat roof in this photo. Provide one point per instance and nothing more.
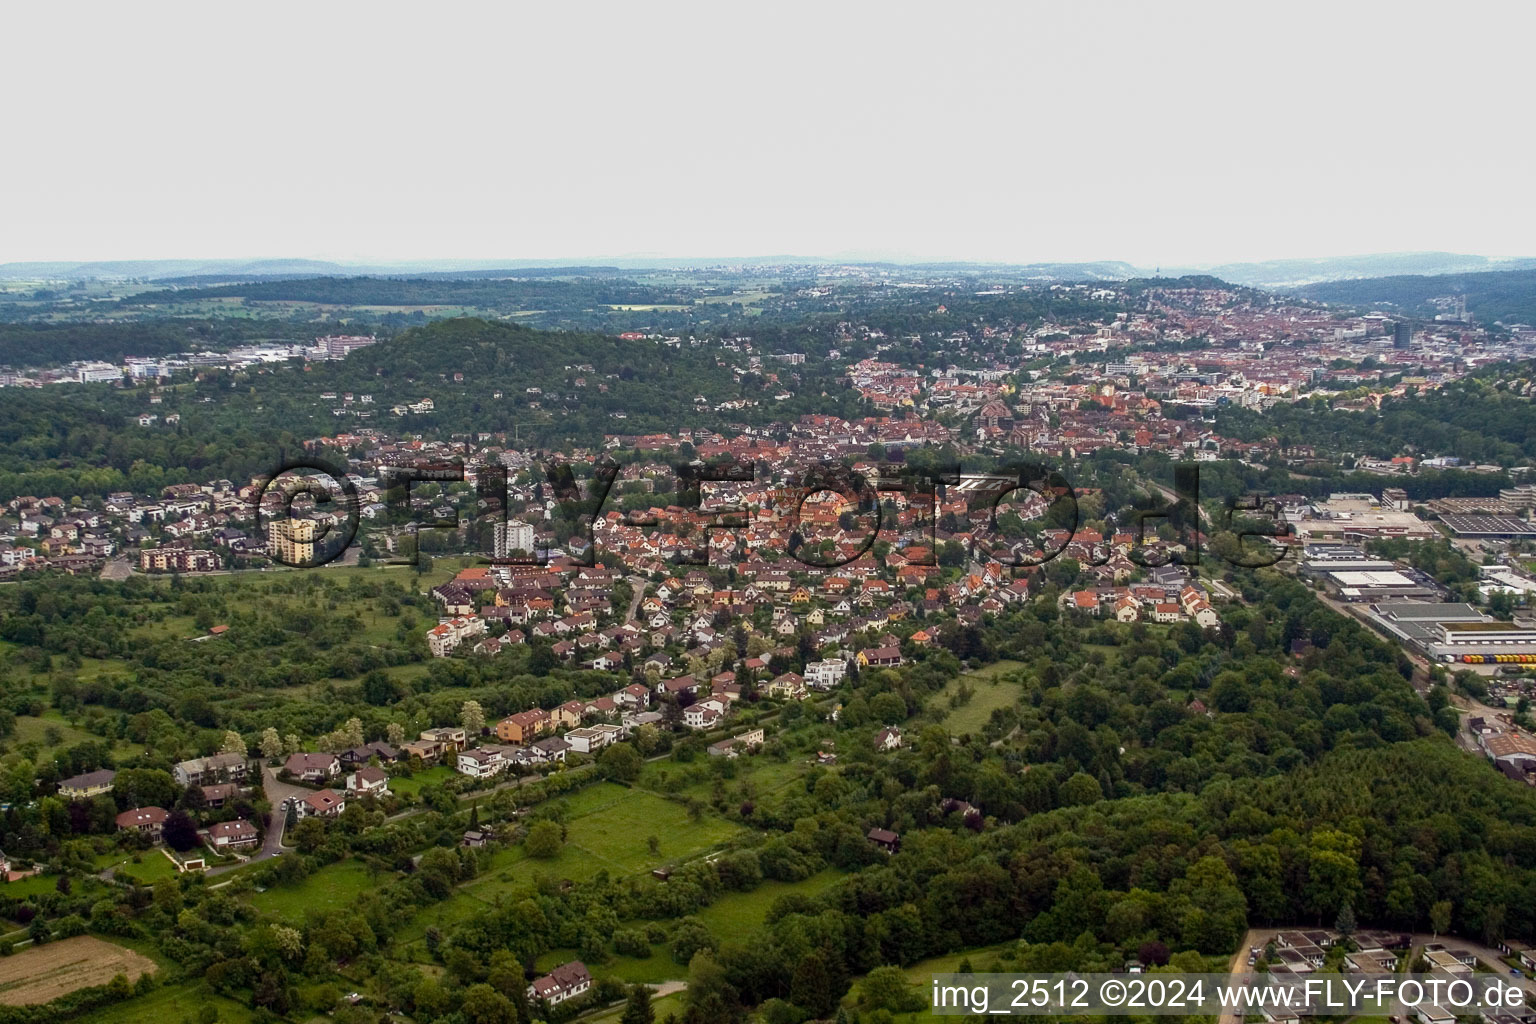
(1493, 527)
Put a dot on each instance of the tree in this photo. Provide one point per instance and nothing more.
(395, 733)
(271, 744)
(484, 1005)
(289, 941)
(233, 744)
(292, 744)
(886, 988)
(710, 997)
(620, 763)
(307, 834)
(637, 1010)
(1081, 789)
(179, 831)
(472, 717)
(1344, 924)
(1440, 917)
(142, 787)
(888, 708)
(544, 839)
(379, 689)
(811, 986)
(689, 938)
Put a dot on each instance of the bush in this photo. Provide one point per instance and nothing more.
(631, 942)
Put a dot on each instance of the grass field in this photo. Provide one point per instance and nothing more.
(920, 975)
(609, 826)
(992, 691)
(607, 829)
(335, 885)
(652, 970)
(167, 1003)
(41, 973)
(50, 732)
(766, 775)
(739, 913)
(672, 1004)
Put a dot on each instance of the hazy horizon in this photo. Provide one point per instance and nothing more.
(449, 263)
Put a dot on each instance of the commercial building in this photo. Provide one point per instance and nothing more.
(1454, 633)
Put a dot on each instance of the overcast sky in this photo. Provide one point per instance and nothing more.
(1155, 133)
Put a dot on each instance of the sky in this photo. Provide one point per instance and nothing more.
(1160, 134)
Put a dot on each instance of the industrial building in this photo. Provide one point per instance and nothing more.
(1356, 576)
(1493, 527)
(1454, 633)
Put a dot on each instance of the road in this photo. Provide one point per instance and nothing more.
(638, 584)
(276, 791)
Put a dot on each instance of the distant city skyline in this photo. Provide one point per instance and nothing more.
(1190, 134)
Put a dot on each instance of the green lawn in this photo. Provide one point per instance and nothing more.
(30, 886)
(411, 786)
(335, 885)
(992, 691)
(152, 866)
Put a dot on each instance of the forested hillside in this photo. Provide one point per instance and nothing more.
(1504, 295)
(1485, 418)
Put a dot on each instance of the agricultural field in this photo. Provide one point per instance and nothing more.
(41, 973)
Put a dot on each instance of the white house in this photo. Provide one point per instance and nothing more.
(481, 762)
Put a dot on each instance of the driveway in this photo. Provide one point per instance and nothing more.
(276, 792)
